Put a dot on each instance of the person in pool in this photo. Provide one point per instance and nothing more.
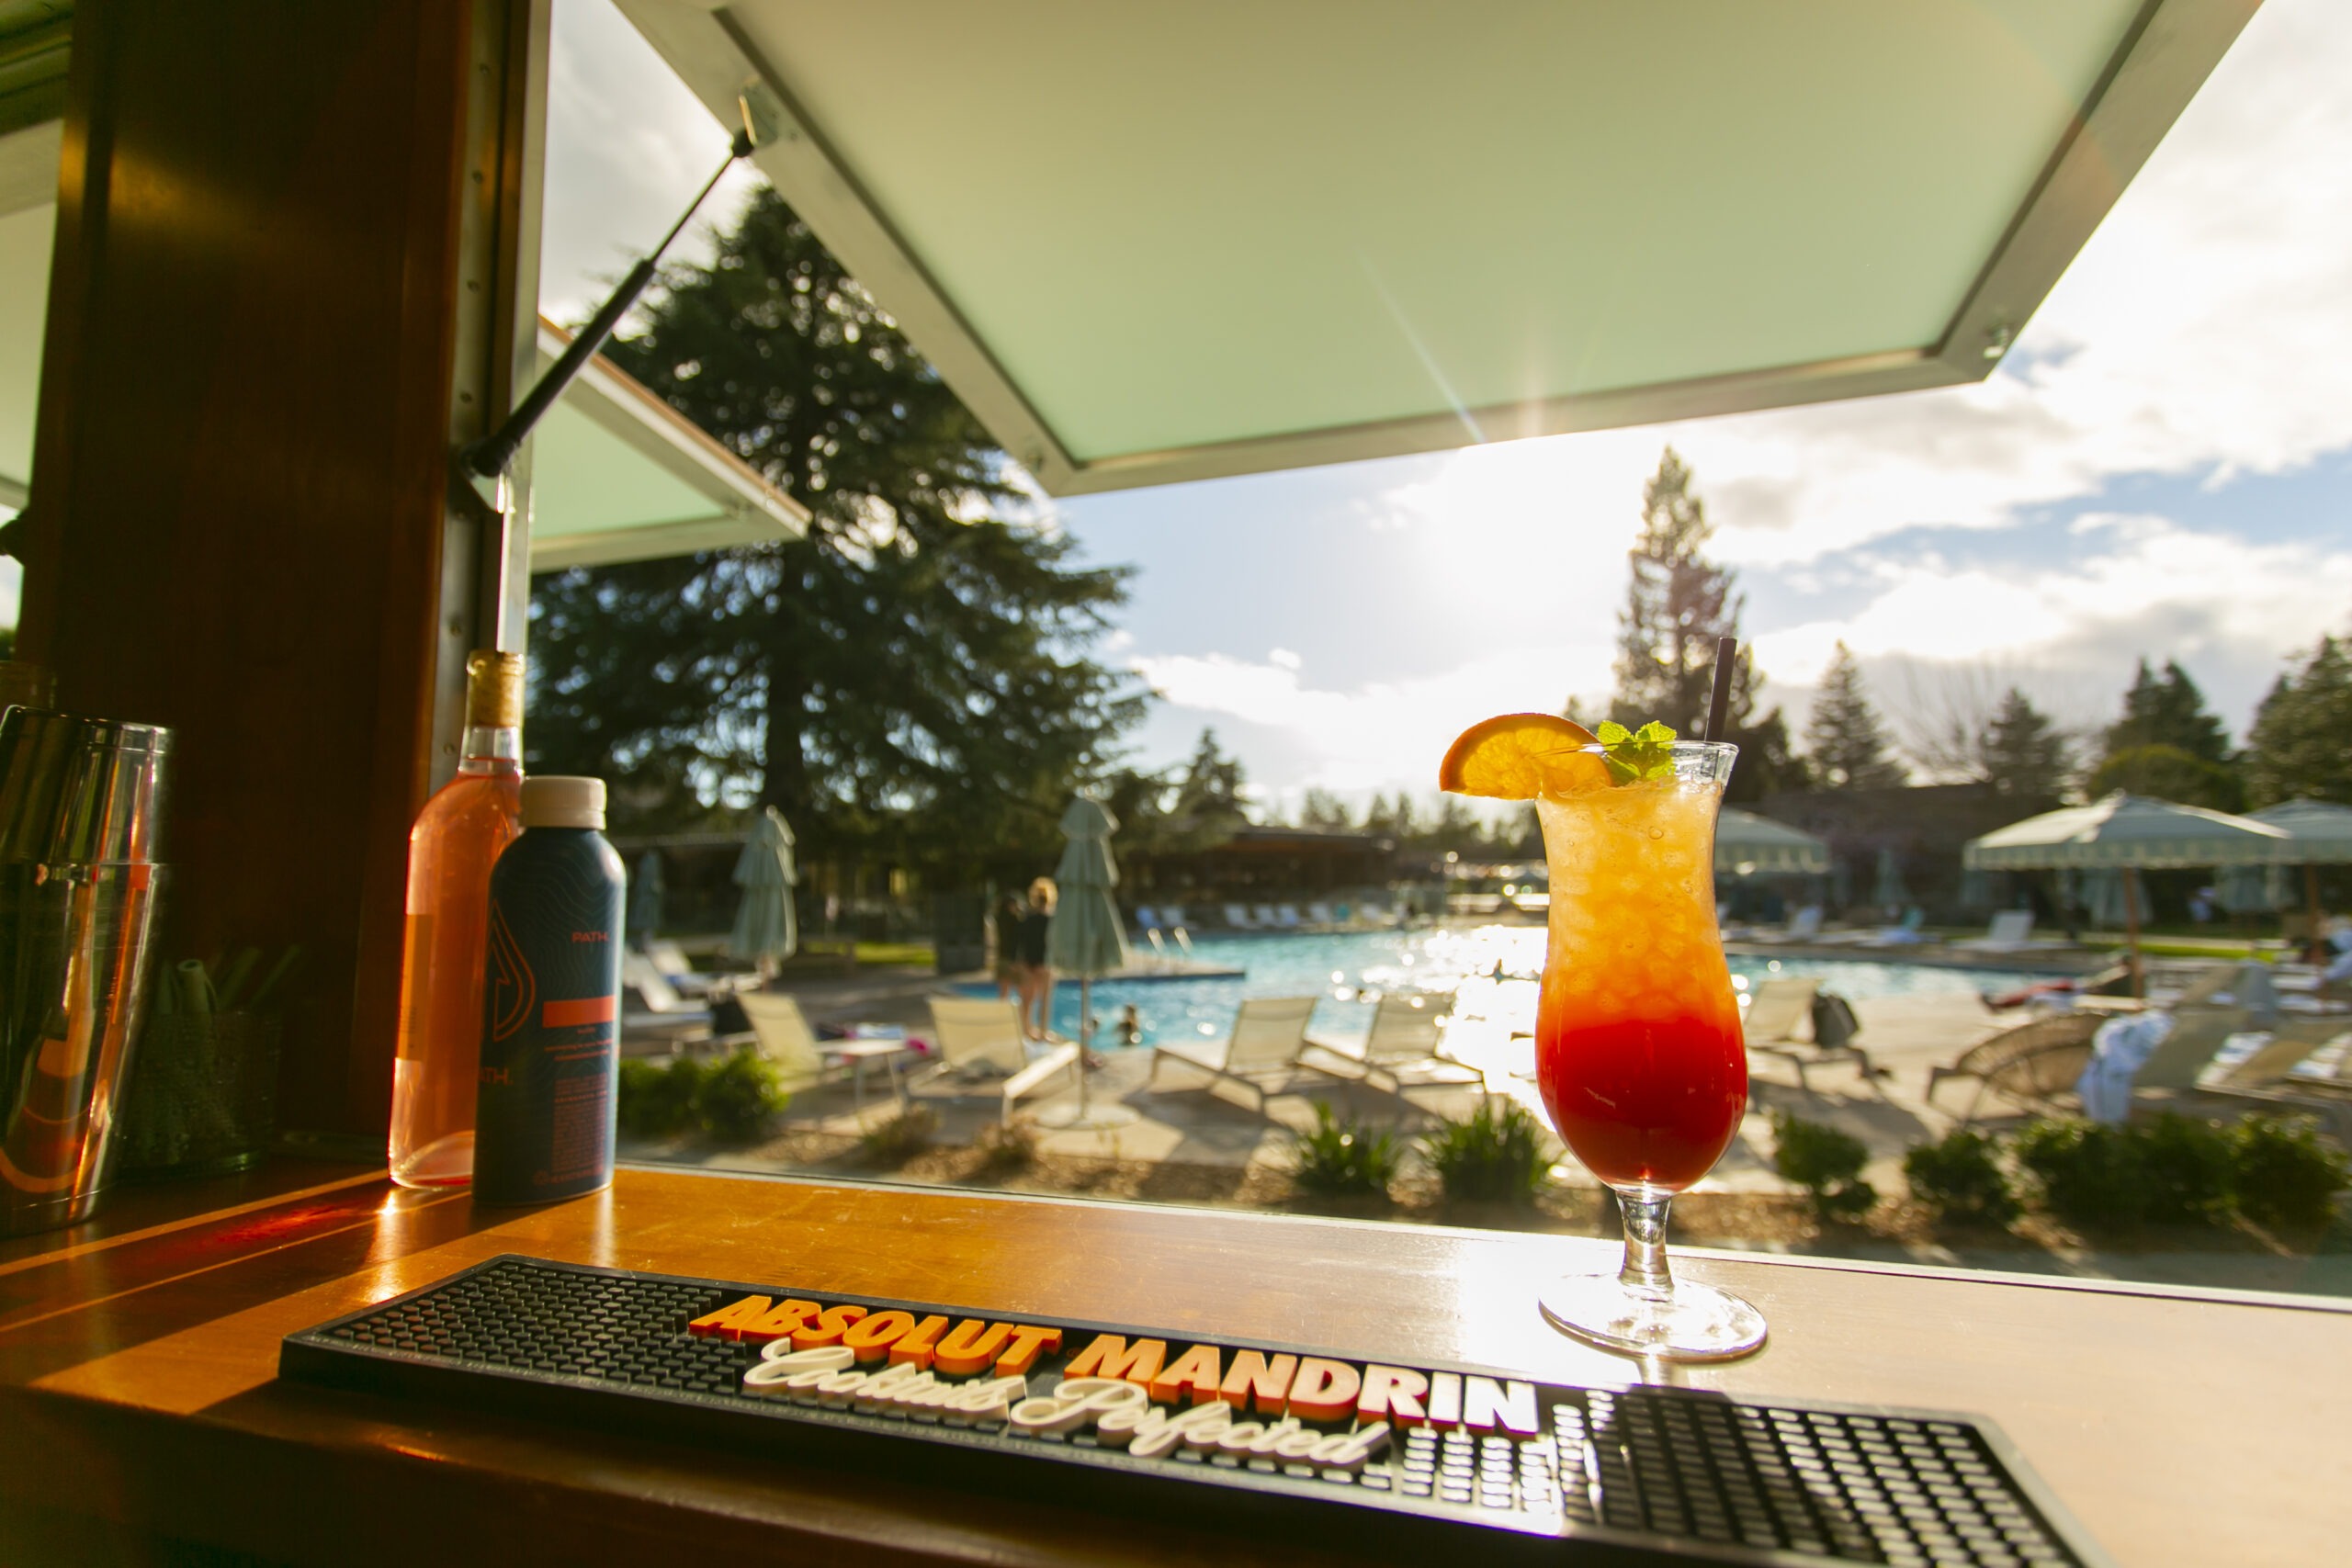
(1036, 974)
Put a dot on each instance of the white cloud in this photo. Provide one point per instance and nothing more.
(628, 146)
(2230, 611)
(1283, 659)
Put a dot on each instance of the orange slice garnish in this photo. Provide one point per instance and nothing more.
(1518, 756)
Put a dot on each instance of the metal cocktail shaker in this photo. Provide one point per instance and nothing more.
(81, 813)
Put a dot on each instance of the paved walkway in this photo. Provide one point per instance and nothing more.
(1188, 1120)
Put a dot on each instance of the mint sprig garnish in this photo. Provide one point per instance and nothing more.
(1636, 754)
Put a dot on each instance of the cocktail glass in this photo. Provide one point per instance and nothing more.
(1638, 1049)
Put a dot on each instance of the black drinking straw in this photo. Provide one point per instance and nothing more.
(1719, 705)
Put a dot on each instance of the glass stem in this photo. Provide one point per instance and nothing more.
(1645, 1273)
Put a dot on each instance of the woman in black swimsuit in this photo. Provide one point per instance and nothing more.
(1036, 974)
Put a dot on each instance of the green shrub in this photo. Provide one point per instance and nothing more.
(1006, 1148)
(2284, 1172)
(657, 1098)
(1960, 1178)
(2089, 1173)
(905, 1135)
(2186, 1164)
(1496, 1155)
(736, 1097)
(1824, 1161)
(1343, 1156)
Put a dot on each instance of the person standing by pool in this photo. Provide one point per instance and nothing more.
(1005, 921)
(1036, 974)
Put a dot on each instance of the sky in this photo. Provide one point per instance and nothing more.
(2162, 467)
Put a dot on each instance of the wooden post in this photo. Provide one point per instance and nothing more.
(241, 461)
(2314, 946)
(2132, 930)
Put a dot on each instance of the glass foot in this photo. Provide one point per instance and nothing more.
(1687, 1323)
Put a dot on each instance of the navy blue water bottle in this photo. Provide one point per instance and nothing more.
(551, 1046)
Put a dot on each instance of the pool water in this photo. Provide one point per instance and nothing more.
(1491, 970)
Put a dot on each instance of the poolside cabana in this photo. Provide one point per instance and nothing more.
(2319, 832)
(2124, 833)
(1750, 845)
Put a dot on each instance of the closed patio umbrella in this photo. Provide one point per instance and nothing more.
(1084, 940)
(766, 930)
(1888, 889)
(645, 889)
(2127, 832)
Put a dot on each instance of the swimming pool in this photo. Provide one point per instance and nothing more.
(1339, 968)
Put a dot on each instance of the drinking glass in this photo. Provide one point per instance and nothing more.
(1638, 1049)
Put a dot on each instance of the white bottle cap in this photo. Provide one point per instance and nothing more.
(561, 800)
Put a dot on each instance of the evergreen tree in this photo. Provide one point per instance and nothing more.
(2168, 710)
(1843, 738)
(1678, 605)
(2022, 752)
(1320, 808)
(2168, 772)
(1393, 818)
(914, 677)
(1209, 808)
(2300, 745)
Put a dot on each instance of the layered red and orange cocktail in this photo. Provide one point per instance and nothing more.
(1638, 1051)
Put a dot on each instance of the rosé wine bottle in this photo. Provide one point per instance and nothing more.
(457, 837)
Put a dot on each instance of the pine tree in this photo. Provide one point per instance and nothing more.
(1843, 738)
(1322, 809)
(2299, 747)
(2168, 710)
(2167, 772)
(2022, 752)
(1676, 607)
(1209, 808)
(914, 677)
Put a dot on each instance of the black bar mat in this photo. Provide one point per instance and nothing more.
(1543, 1472)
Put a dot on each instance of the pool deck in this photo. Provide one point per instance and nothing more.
(1188, 1120)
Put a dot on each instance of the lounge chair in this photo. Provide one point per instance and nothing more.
(1287, 917)
(652, 1012)
(1322, 915)
(980, 1040)
(2261, 1083)
(2291, 1043)
(782, 1034)
(670, 959)
(1901, 935)
(1238, 918)
(2039, 1081)
(1262, 916)
(2196, 1036)
(1406, 1045)
(1775, 1011)
(1147, 918)
(1269, 1034)
(1171, 916)
(1803, 925)
(1980, 1060)
(2011, 931)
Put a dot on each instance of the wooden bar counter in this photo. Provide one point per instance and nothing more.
(143, 1422)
